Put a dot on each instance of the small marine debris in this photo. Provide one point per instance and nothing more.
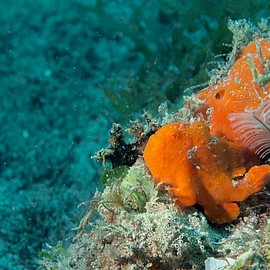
(212, 263)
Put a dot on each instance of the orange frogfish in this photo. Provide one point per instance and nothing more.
(209, 165)
(239, 91)
(200, 168)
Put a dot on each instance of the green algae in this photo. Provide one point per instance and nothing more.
(110, 175)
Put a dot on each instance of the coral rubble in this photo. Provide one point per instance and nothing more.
(139, 226)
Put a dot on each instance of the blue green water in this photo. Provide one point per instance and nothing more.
(68, 70)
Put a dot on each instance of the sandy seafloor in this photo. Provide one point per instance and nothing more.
(54, 55)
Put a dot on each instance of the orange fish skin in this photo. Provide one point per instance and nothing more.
(238, 91)
(199, 168)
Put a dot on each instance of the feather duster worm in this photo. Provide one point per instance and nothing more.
(253, 128)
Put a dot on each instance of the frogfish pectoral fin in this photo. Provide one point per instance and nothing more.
(254, 180)
(222, 213)
(257, 177)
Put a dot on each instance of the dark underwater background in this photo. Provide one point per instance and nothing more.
(68, 71)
